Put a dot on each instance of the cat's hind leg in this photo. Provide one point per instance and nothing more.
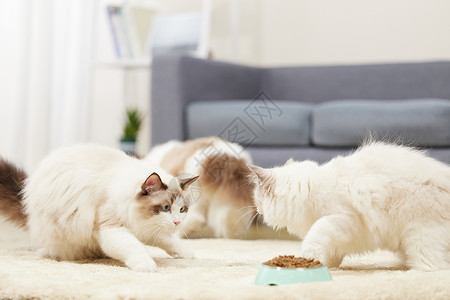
(228, 221)
(238, 221)
(230, 218)
(426, 247)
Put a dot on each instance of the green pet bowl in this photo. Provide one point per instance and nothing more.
(277, 276)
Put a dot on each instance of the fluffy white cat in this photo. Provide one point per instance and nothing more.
(380, 197)
(93, 201)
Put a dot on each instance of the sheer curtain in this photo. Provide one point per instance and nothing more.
(46, 61)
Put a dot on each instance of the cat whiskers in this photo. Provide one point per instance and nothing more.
(248, 206)
(160, 231)
(252, 210)
(184, 233)
(257, 216)
(149, 230)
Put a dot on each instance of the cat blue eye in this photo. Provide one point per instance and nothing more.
(166, 208)
(183, 209)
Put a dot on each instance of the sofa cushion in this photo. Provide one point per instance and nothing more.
(418, 122)
(250, 122)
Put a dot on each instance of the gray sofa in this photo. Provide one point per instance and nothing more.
(311, 113)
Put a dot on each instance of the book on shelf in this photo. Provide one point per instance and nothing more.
(113, 26)
(130, 27)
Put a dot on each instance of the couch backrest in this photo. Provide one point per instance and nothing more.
(384, 81)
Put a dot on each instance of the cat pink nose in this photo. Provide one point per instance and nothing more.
(176, 223)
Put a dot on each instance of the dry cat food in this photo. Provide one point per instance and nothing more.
(290, 261)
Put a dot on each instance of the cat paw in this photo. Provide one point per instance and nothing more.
(182, 254)
(146, 265)
(313, 253)
(319, 254)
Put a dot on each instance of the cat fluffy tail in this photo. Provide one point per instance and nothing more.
(12, 179)
(228, 173)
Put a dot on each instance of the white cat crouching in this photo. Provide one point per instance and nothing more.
(93, 201)
(381, 197)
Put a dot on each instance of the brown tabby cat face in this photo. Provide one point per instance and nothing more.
(165, 204)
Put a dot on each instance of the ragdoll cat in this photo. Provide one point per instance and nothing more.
(91, 201)
(380, 197)
(225, 206)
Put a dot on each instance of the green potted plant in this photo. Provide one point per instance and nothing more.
(133, 122)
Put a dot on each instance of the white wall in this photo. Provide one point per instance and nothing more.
(110, 100)
(354, 31)
(288, 32)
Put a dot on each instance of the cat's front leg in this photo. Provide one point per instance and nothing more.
(327, 237)
(174, 247)
(120, 244)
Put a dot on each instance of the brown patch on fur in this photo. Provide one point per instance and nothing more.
(11, 183)
(151, 205)
(228, 173)
(174, 161)
(217, 171)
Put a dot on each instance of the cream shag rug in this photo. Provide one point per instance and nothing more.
(223, 269)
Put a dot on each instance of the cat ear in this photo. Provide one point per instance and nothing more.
(185, 182)
(289, 161)
(152, 184)
(261, 174)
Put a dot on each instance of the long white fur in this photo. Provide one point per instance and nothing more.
(381, 197)
(81, 203)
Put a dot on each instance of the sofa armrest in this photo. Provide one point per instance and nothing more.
(179, 80)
